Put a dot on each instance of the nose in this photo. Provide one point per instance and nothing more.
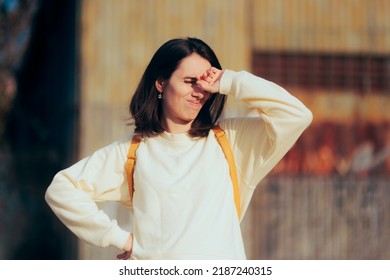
(199, 93)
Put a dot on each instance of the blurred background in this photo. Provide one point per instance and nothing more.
(68, 69)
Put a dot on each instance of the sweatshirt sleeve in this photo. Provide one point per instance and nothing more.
(74, 191)
(259, 143)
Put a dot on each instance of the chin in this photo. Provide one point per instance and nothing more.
(190, 118)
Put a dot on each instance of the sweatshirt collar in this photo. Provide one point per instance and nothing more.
(180, 138)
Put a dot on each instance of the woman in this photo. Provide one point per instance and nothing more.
(183, 206)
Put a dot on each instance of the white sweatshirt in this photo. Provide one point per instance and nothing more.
(183, 201)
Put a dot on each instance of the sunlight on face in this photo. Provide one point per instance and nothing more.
(182, 98)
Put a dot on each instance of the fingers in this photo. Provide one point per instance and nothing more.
(209, 80)
(210, 76)
(205, 86)
(124, 256)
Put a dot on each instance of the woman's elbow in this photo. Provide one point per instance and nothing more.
(301, 121)
(53, 190)
(307, 117)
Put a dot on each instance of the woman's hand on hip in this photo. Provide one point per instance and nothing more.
(128, 249)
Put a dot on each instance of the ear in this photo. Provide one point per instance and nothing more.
(159, 85)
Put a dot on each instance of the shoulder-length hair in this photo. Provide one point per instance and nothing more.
(146, 109)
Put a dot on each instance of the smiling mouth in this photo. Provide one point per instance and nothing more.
(194, 103)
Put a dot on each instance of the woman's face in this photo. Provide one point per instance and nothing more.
(182, 98)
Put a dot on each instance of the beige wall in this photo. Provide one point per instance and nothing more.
(324, 26)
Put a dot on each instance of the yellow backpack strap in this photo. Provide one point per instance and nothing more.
(130, 163)
(223, 142)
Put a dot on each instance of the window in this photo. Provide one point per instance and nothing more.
(335, 72)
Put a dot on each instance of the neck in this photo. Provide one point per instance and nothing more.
(175, 127)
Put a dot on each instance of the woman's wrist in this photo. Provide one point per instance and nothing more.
(129, 243)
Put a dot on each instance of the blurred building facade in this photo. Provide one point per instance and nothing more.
(327, 199)
(328, 195)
